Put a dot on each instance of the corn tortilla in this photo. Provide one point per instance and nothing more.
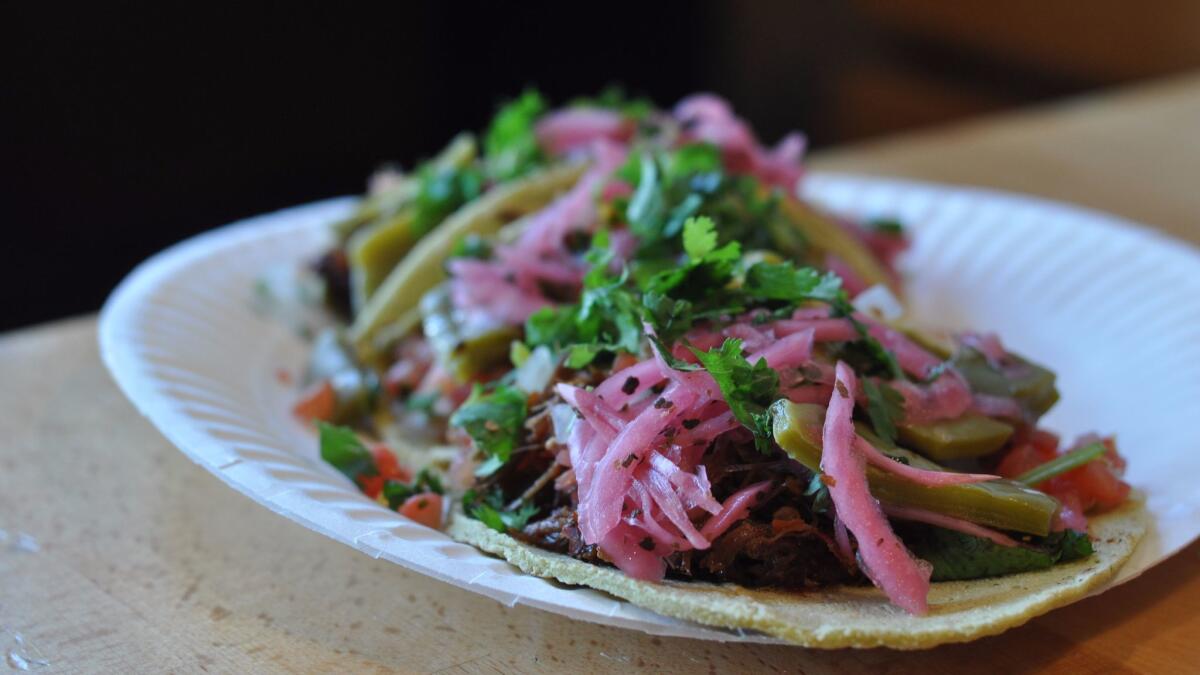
(422, 269)
(845, 616)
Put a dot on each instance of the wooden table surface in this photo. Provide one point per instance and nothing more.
(117, 554)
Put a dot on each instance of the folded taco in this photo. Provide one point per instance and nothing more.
(649, 368)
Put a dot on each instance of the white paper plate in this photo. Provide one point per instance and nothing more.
(1114, 308)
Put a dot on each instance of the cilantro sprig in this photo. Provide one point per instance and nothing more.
(510, 145)
(490, 509)
(397, 492)
(606, 318)
(495, 422)
(749, 389)
(341, 448)
(707, 267)
(671, 186)
(789, 284)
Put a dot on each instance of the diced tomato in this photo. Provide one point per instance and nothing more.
(1022, 458)
(1045, 442)
(1096, 485)
(319, 402)
(387, 465)
(424, 508)
(1115, 460)
(372, 486)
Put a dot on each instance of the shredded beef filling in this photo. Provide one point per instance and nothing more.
(334, 269)
(781, 544)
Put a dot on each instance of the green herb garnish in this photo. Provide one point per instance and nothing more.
(787, 283)
(341, 448)
(494, 421)
(606, 319)
(510, 145)
(397, 492)
(708, 268)
(748, 389)
(490, 510)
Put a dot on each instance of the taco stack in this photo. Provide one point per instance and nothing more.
(639, 361)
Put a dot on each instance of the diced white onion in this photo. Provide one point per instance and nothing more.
(564, 418)
(533, 375)
(878, 301)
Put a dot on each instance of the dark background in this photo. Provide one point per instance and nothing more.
(129, 126)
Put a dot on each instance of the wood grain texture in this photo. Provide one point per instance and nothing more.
(145, 562)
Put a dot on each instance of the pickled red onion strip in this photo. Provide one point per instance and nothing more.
(949, 523)
(736, 507)
(568, 129)
(886, 561)
(623, 546)
(916, 475)
(610, 483)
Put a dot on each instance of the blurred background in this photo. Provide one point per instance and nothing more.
(127, 127)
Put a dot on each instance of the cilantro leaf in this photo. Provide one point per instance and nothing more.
(885, 405)
(502, 521)
(397, 492)
(440, 193)
(708, 269)
(672, 186)
(785, 282)
(341, 448)
(694, 159)
(606, 319)
(749, 390)
(608, 312)
(699, 237)
(489, 509)
(510, 145)
(647, 206)
(580, 355)
(671, 318)
(551, 326)
(494, 421)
